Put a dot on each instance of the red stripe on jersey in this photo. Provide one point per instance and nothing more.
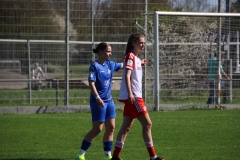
(129, 60)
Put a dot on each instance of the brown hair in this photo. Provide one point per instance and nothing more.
(133, 38)
(101, 46)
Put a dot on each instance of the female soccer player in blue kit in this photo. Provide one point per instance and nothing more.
(101, 102)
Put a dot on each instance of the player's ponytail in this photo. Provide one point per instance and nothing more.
(101, 46)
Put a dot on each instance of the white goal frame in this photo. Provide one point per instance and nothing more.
(156, 46)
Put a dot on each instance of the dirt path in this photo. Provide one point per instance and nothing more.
(6, 75)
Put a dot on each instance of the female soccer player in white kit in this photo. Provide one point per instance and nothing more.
(131, 95)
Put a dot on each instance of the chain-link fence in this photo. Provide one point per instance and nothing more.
(60, 35)
(49, 89)
(194, 51)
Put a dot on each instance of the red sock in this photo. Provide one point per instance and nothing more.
(118, 148)
(151, 151)
(117, 151)
(150, 148)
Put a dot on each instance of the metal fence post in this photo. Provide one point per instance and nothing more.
(29, 73)
(57, 93)
(230, 83)
(66, 95)
(156, 63)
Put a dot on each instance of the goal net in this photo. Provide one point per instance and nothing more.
(182, 45)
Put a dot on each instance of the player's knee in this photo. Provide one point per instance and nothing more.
(97, 130)
(128, 128)
(110, 128)
(148, 126)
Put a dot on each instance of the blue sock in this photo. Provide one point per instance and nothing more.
(85, 145)
(107, 146)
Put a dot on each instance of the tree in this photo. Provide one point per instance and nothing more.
(191, 5)
(19, 19)
(235, 8)
(234, 21)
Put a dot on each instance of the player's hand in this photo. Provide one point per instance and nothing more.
(100, 103)
(131, 98)
(144, 61)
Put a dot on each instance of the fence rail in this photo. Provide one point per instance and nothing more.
(50, 33)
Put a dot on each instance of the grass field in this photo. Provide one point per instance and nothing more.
(177, 135)
(47, 97)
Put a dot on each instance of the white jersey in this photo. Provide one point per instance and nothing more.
(37, 72)
(134, 63)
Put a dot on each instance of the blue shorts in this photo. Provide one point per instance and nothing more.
(101, 114)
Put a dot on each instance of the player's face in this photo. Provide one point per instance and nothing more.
(139, 45)
(108, 53)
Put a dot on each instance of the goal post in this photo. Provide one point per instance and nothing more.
(189, 36)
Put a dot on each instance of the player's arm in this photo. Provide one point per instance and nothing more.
(128, 85)
(225, 75)
(95, 93)
(33, 74)
(121, 65)
(42, 73)
(118, 66)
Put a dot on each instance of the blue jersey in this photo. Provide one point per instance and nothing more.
(102, 76)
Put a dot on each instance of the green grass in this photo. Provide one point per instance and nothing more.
(177, 135)
(47, 97)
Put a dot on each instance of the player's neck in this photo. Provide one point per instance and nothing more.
(136, 53)
(102, 61)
